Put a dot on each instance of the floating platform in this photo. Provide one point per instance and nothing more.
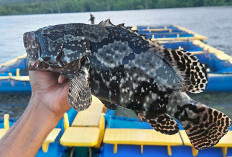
(171, 32)
(215, 61)
(218, 64)
(115, 136)
(12, 67)
(14, 76)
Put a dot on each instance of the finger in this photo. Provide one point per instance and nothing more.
(65, 86)
(56, 76)
(43, 75)
(62, 79)
(39, 73)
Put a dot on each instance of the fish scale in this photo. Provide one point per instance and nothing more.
(111, 56)
(122, 67)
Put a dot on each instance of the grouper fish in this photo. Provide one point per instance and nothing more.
(122, 67)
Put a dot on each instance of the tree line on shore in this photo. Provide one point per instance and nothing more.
(16, 7)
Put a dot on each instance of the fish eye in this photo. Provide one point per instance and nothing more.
(45, 32)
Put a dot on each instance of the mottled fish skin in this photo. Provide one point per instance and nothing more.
(124, 66)
(127, 69)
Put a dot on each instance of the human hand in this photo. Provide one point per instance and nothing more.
(51, 89)
(48, 103)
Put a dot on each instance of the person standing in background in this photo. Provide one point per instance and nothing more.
(92, 18)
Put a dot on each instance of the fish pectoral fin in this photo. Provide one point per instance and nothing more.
(79, 95)
(161, 122)
(204, 126)
(109, 105)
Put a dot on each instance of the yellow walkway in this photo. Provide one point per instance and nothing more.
(6, 125)
(84, 136)
(80, 136)
(87, 129)
(224, 143)
(2, 132)
(91, 116)
(86, 120)
(50, 139)
(196, 36)
(140, 137)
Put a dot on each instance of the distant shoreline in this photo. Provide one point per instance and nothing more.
(113, 10)
(21, 7)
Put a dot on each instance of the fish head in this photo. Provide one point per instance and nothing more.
(56, 48)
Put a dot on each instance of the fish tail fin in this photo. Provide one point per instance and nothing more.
(204, 126)
(193, 72)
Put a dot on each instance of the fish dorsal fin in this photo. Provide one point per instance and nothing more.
(121, 25)
(106, 23)
(79, 95)
(161, 122)
(134, 31)
(193, 72)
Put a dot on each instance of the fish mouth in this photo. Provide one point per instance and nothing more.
(29, 39)
(33, 50)
(31, 44)
(33, 65)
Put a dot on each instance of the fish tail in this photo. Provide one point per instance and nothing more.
(204, 126)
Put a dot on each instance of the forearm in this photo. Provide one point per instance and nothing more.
(28, 133)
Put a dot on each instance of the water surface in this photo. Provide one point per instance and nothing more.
(214, 22)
